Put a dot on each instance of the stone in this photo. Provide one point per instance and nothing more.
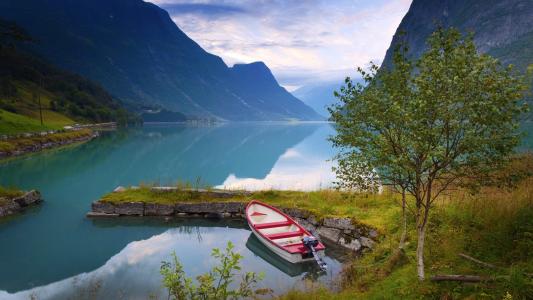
(366, 242)
(9, 208)
(28, 198)
(296, 213)
(372, 233)
(151, 209)
(329, 233)
(181, 214)
(340, 223)
(130, 208)
(93, 214)
(313, 220)
(103, 207)
(352, 244)
(210, 207)
(213, 216)
(119, 189)
(307, 225)
(226, 215)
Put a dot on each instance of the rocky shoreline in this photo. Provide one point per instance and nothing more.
(17, 204)
(344, 232)
(47, 145)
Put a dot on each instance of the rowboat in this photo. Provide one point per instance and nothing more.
(282, 235)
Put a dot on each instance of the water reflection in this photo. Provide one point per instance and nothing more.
(56, 241)
(133, 273)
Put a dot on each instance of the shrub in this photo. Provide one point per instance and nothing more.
(215, 284)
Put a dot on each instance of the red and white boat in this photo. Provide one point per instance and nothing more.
(281, 234)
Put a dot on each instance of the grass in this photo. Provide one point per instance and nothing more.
(370, 209)
(7, 193)
(15, 144)
(25, 115)
(493, 224)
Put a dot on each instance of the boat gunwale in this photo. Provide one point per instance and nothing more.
(302, 229)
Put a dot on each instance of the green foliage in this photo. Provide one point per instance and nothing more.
(215, 284)
(25, 78)
(425, 124)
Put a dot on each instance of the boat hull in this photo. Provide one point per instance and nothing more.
(280, 233)
(290, 257)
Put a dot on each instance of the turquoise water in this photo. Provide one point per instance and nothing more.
(54, 252)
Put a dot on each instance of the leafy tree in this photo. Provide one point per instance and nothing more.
(213, 285)
(426, 124)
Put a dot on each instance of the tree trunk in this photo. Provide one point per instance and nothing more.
(404, 219)
(421, 230)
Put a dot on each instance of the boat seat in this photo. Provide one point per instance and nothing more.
(257, 214)
(295, 248)
(284, 235)
(273, 224)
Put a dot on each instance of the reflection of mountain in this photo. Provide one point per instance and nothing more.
(59, 242)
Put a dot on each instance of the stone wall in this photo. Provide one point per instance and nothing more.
(17, 204)
(341, 231)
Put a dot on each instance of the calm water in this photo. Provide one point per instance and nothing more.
(53, 251)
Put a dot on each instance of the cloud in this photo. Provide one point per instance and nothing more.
(301, 41)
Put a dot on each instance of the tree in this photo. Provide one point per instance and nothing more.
(426, 124)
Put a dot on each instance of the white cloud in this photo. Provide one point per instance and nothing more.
(299, 40)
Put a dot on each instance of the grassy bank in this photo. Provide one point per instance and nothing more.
(371, 209)
(494, 225)
(13, 145)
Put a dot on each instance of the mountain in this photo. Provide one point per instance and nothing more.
(65, 98)
(502, 28)
(319, 96)
(257, 86)
(137, 52)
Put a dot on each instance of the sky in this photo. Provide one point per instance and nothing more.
(303, 42)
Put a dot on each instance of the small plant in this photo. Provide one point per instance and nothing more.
(215, 284)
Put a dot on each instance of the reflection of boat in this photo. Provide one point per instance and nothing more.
(281, 234)
(254, 245)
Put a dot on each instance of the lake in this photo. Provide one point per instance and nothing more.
(54, 252)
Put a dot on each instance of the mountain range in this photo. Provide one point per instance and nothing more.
(501, 28)
(137, 53)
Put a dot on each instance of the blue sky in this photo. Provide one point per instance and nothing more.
(303, 42)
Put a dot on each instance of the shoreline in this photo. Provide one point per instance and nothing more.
(14, 205)
(212, 203)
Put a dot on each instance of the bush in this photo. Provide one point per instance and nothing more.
(212, 285)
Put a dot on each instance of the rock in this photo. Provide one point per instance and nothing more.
(151, 209)
(9, 208)
(181, 214)
(296, 213)
(340, 223)
(92, 214)
(372, 233)
(366, 242)
(130, 208)
(28, 198)
(210, 207)
(226, 215)
(307, 225)
(214, 215)
(313, 220)
(103, 207)
(119, 189)
(328, 233)
(352, 244)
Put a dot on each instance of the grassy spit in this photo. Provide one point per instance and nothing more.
(494, 224)
(14, 144)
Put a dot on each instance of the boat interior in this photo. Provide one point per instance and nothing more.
(276, 227)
